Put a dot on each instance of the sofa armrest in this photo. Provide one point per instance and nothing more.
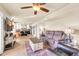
(67, 49)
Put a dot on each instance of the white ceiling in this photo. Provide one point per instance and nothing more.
(14, 8)
(60, 15)
(26, 15)
(66, 17)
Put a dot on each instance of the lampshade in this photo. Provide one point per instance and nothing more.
(69, 31)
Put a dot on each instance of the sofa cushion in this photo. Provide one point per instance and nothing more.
(49, 34)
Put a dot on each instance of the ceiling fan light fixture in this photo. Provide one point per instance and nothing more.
(36, 8)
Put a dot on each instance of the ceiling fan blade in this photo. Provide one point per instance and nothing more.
(42, 3)
(39, 3)
(44, 9)
(35, 12)
(26, 7)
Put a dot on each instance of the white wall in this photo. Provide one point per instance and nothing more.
(1, 35)
(36, 31)
(3, 14)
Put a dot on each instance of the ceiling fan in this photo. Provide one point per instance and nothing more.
(36, 7)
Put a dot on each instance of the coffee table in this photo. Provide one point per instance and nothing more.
(36, 44)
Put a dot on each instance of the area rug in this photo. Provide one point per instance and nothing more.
(43, 52)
